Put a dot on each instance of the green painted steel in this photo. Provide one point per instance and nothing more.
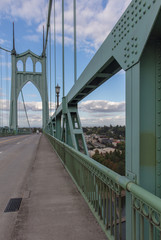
(122, 49)
(101, 187)
(20, 78)
(133, 45)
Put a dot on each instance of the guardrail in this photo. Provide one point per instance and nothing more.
(10, 132)
(105, 190)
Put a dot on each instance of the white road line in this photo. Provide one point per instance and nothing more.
(18, 142)
(0, 152)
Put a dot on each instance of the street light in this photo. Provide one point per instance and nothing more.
(57, 89)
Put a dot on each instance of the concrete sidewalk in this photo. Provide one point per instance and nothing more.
(52, 207)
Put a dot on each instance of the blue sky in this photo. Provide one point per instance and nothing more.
(95, 20)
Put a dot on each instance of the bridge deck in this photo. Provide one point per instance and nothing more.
(53, 207)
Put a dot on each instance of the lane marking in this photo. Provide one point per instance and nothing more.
(18, 142)
(12, 139)
(0, 152)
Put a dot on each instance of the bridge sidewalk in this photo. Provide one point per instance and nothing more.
(52, 207)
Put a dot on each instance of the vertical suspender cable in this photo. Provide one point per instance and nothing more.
(47, 70)
(50, 64)
(55, 52)
(7, 92)
(63, 46)
(25, 109)
(0, 88)
(1, 91)
(75, 46)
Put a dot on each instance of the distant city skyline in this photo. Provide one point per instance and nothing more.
(95, 20)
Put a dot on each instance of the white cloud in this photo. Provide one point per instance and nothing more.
(114, 120)
(31, 10)
(101, 112)
(5, 64)
(103, 106)
(32, 37)
(94, 22)
(2, 41)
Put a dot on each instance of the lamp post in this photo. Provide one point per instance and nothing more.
(57, 89)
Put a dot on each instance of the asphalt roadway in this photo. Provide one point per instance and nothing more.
(51, 208)
(16, 157)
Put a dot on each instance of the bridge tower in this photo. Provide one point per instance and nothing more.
(20, 78)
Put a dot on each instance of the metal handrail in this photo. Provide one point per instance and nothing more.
(107, 188)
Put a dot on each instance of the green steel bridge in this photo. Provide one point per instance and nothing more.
(133, 45)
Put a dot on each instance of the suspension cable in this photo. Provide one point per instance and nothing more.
(63, 46)
(50, 64)
(4, 49)
(0, 88)
(75, 46)
(55, 53)
(7, 91)
(25, 110)
(48, 26)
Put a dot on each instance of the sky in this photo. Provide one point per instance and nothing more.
(95, 20)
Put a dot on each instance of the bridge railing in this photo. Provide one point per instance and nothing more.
(105, 191)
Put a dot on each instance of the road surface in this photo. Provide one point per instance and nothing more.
(51, 208)
(17, 154)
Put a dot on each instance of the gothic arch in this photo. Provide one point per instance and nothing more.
(19, 79)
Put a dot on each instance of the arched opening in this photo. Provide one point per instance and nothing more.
(33, 107)
(20, 66)
(38, 67)
(29, 65)
(102, 115)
